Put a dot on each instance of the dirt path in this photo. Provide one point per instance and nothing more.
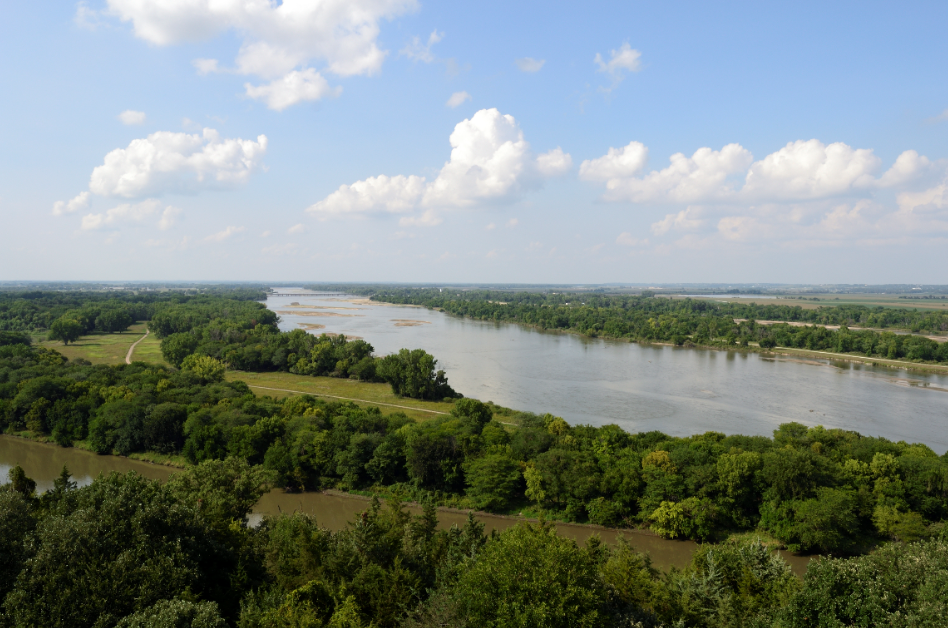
(128, 356)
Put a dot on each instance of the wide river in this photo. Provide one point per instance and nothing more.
(639, 387)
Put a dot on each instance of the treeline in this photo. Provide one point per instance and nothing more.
(132, 553)
(929, 321)
(30, 311)
(700, 322)
(814, 489)
(244, 336)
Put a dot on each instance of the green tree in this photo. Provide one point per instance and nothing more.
(113, 320)
(176, 614)
(176, 347)
(492, 480)
(412, 374)
(66, 329)
(529, 577)
(206, 368)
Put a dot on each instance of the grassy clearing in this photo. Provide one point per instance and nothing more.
(102, 348)
(149, 350)
(363, 393)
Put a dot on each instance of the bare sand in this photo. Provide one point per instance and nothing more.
(333, 334)
(316, 313)
(325, 307)
(407, 322)
(311, 326)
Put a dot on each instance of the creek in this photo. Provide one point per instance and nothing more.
(43, 463)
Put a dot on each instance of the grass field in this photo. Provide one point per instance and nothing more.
(101, 348)
(363, 393)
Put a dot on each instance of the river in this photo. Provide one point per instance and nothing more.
(679, 391)
(43, 462)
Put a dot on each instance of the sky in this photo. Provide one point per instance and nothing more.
(416, 141)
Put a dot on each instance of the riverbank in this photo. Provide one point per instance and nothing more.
(923, 367)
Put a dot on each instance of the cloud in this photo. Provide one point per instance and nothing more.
(491, 227)
(130, 117)
(618, 163)
(687, 179)
(554, 163)
(277, 37)
(800, 171)
(167, 162)
(529, 64)
(381, 194)
(126, 212)
(457, 98)
(292, 89)
(220, 236)
(168, 218)
(941, 117)
(299, 228)
(621, 61)
(625, 239)
(513, 222)
(490, 163)
(417, 51)
(205, 66)
(87, 18)
(81, 201)
(688, 219)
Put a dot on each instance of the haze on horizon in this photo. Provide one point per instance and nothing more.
(407, 140)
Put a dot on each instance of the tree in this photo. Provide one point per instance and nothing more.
(176, 347)
(176, 614)
(529, 577)
(492, 481)
(206, 368)
(66, 329)
(113, 320)
(412, 374)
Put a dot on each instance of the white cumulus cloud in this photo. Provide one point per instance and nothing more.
(80, 201)
(298, 228)
(529, 64)
(277, 37)
(618, 163)
(169, 217)
(292, 89)
(490, 162)
(177, 162)
(130, 117)
(457, 99)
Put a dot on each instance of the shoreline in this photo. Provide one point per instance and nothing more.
(826, 355)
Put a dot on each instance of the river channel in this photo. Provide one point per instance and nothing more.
(43, 462)
(679, 391)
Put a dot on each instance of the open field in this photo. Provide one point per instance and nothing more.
(282, 385)
(102, 348)
(813, 301)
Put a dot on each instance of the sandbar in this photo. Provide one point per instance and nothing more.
(407, 322)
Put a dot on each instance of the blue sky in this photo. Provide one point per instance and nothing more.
(392, 140)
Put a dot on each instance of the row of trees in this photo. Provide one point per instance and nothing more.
(696, 321)
(814, 489)
(128, 552)
(245, 344)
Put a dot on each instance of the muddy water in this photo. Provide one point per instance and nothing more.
(645, 387)
(43, 462)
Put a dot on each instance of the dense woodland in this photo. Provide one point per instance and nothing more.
(181, 554)
(694, 321)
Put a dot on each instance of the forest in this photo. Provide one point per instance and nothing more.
(700, 322)
(183, 554)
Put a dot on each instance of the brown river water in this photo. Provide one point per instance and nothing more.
(43, 462)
